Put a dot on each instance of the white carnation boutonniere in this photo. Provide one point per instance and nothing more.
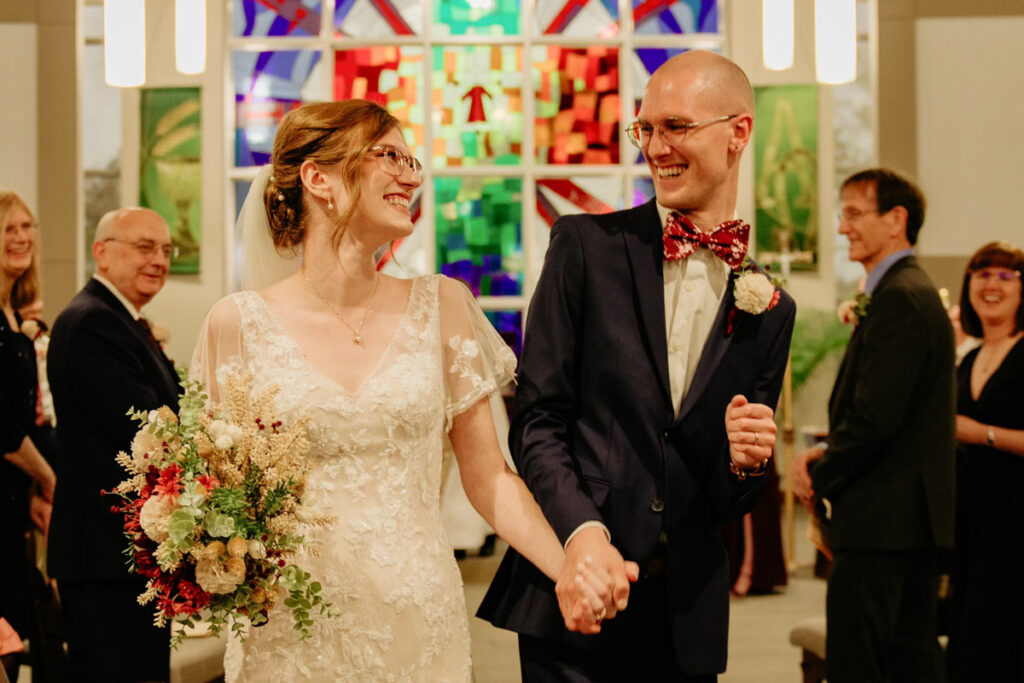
(755, 291)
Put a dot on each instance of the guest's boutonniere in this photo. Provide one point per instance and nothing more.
(852, 311)
(756, 291)
(161, 334)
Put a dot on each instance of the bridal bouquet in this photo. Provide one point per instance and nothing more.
(212, 509)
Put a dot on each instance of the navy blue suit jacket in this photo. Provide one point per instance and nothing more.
(100, 363)
(595, 437)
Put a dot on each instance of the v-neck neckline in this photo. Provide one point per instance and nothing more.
(276, 321)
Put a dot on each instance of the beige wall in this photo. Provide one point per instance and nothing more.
(43, 167)
(927, 93)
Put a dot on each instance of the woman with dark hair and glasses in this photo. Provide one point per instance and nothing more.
(986, 640)
(390, 371)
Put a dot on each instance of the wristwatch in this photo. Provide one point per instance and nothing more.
(990, 439)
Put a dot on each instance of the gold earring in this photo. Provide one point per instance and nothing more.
(330, 203)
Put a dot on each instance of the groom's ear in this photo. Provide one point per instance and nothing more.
(314, 180)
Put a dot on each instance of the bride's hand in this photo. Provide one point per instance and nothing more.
(595, 598)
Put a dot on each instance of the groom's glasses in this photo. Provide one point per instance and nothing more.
(395, 161)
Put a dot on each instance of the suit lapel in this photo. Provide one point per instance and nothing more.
(164, 365)
(645, 253)
(717, 344)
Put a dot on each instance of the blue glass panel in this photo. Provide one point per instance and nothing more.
(267, 86)
(269, 18)
(675, 17)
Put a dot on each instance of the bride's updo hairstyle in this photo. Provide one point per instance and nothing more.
(327, 133)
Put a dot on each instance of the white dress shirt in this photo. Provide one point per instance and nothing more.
(694, 288)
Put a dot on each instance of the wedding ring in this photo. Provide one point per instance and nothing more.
(600, 617)
(757, 438)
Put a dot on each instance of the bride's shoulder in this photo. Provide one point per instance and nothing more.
(227, 313)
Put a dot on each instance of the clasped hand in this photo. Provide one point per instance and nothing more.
(750, 428)
(594, 582)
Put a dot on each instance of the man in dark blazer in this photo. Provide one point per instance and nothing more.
(102, 361)
(643, 412)
(883, 483)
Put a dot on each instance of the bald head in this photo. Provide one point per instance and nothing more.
(132, 250)
(710, 77)
(114, 221)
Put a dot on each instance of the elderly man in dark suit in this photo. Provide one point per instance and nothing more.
(644, 409)
(883, 483)
(102, 361)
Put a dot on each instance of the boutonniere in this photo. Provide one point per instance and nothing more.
(756, 291)
(852, 311)
(161, 334)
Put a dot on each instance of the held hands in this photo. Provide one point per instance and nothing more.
(802, 486)
(751, 429)
(594, 582)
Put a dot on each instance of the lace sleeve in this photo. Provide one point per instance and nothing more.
(477, 362)
(219, 345)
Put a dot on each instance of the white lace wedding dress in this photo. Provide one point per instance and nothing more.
(385, 563)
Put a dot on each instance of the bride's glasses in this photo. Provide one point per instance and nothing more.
(396, 161)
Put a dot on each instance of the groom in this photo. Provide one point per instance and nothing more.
(643, 410)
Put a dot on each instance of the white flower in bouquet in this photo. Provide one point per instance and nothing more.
(754, 292)
(224, 434)
(144, 445)
(155, 517)
(257, 550)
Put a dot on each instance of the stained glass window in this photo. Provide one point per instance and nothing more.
(275, 18)
(389, 76)
(478, 231)
(476, 17)
(677, 17)
(509, 324)
(477, 104)
(267, 86)
(576, 96)
(378, 19)
(577, 18)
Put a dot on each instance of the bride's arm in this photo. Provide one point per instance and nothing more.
(501, 498)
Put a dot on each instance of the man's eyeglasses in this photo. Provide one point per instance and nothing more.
(150, 249)
(853, 215)
(996, 274)
(396, 161)
(672, 130)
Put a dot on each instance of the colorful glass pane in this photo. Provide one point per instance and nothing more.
(675, 17)
(270, 18)
(558, 197)
(509, 325)
(389, 76)
(478, 229)
(477, 105)
(643, 191)
(599, 18)
(267, 86)
(476, 17)
(378, 18)
(576, 104)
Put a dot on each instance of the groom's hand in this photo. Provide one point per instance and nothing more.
(594, 582)
(750, 428)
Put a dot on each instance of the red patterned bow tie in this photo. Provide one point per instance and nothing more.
(728, 241)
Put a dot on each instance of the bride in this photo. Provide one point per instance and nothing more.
(387, 369)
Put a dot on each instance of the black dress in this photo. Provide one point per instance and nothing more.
(18, 384)
(987, 620)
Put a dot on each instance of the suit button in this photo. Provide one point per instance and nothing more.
(657, 505)
(665, 435)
